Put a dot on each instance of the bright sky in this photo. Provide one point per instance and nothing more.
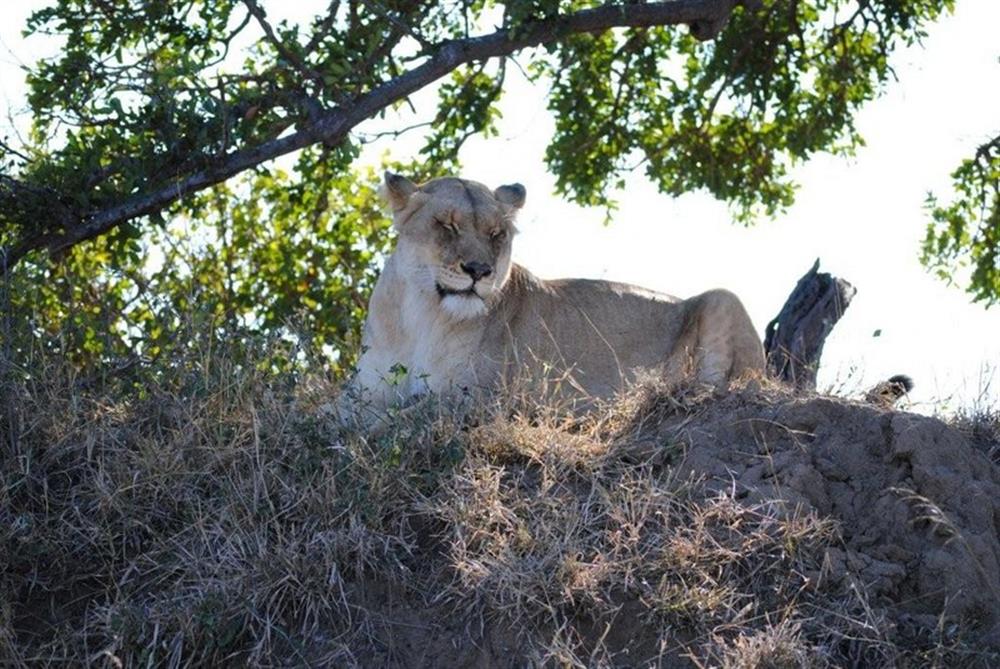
(863, 217)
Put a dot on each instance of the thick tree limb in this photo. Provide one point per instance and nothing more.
(706, 18)
(793, 341)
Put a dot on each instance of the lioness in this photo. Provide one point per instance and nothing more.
(450, 310)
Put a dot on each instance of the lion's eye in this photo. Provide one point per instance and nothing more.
(450, 227)
(498, 235)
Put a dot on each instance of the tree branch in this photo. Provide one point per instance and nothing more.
(398, 23)
(705, 17)
(283, 51)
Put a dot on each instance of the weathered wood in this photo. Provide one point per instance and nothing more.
(793, 341)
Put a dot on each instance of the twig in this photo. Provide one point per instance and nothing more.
(283, 51)
(4, 146)
(378, 8)
(371, 137)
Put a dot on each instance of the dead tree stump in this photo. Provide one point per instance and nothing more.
(793, 341)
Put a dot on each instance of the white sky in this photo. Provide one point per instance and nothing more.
(863, 217)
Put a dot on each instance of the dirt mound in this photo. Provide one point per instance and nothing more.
(917, 507)
(756, 529)
(235, 525)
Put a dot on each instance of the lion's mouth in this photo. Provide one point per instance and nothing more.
(445, 292)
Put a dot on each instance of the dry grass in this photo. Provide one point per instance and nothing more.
(980, 420)
(211, 515)
(982, 427)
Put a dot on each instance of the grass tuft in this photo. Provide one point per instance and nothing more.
(213, 514)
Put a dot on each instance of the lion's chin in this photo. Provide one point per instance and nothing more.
(462, 306)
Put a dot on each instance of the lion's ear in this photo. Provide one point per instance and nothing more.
(512, 194)
(397, 189)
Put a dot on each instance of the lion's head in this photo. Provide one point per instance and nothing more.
(454, 239)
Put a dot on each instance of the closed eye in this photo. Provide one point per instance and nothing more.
(450, 227)
(499, 234)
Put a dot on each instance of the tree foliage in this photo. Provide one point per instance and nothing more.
(270, 255)
(964, 234)
(149, 174)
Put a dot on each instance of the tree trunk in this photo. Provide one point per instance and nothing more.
(793, 341)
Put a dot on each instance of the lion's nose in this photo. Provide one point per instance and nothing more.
(477, 270)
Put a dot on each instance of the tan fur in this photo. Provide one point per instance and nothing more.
(595, 336)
